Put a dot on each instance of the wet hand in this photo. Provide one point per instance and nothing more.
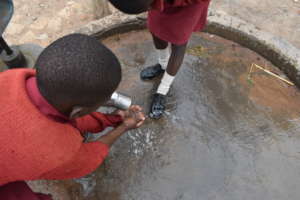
(126, 113)
(133, 117)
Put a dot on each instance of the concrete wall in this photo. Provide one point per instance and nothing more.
(277, 50)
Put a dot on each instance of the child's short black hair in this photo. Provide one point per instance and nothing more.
(77, 69)
(132, 6)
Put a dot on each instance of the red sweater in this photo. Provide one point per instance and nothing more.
(175, 22)
(34, 146)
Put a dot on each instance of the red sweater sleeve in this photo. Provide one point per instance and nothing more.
(88, 158)
(96, 122)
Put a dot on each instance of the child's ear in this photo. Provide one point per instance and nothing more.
(76, 112)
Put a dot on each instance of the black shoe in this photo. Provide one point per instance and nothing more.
(157, 106)
(151, 72)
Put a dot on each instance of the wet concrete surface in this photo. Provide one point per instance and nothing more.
(224, 136)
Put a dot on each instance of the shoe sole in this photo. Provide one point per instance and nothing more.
(149, 79)
(154, 117)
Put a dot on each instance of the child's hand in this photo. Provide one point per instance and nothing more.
(125, 113)
(133, 117)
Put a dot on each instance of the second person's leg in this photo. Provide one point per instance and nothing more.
(163, 55)
(174, 64)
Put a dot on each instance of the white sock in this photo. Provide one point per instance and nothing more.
(163, 57)
(165, 84)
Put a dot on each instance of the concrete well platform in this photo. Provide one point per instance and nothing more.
(223, 136)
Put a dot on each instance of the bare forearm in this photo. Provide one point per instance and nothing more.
(176, 59)
(113, 135)
(132, 118)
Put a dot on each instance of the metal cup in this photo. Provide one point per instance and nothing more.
(119, 101)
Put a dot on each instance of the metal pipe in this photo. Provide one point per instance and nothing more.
(5, 47)
(119, 101)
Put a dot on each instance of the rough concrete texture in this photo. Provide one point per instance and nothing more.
(280, 52)
(41, 22)
(224, 136)
(111, 24)
(278, 17)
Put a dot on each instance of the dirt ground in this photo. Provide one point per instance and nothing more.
(43, 21)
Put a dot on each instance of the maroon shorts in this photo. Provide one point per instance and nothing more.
(20, 191)
(176, 24)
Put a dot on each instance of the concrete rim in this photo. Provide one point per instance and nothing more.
(280, 52)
